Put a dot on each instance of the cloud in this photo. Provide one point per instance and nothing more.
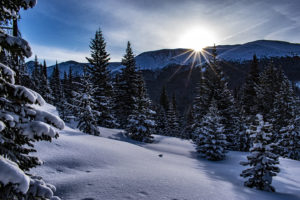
(53, 54)
(156, 24)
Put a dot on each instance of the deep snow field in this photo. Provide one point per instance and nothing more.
(111, 167)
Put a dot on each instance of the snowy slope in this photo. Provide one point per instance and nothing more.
(153, 60)
(112, 167)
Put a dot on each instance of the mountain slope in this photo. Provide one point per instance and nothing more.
(154, 60)
(85, 167)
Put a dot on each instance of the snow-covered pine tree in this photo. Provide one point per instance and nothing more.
(286, 121)
(100, 77)
(261, 160)
(173, 124)
(36, 75)
(82, 106)
(45, 88)
(162, 126)
(21, 123)
(249, 96)
(203, 96)
(189, 124)
(127, 87)
(211, 140)
(243, 139)
(269, 84)
(55, 85)
(289, 141)
(224, 101)
(141, 123)
(284, 106)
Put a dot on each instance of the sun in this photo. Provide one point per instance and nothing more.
(197, 39)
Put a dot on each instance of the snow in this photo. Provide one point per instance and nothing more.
(159, 59)
(114, 167)
(7, 73)
(13, 42)
(10, 173)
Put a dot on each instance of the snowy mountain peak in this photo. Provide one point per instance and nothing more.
(154, 60)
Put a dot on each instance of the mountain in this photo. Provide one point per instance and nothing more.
(159, 59)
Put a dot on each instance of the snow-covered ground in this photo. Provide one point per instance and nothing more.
(85, 167)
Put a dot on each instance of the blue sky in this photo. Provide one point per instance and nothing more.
(62, 29)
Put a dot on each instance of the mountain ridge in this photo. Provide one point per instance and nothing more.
(159, 59)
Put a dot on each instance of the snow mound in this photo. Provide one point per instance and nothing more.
(11, 173)
(114, 167)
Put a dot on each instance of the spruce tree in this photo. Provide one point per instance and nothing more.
(189, 125)
(21, 124)
(55, 85)
(289, 141)
(211, 140)
(261, 160)
(82, 107)
(164, 100)
(127, 87)
(100, 77)
(249, 96)
(141, 124)
(173, 122)
(45, 90)
(162, 127)
(218, 88)
(36, 75)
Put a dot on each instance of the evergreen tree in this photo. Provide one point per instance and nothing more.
(164, 100)
(189, 126)
(284, 106)
(141, 124)
(127, 87)
(249, 96)
(45, 90)
(289, 141)
(269, 84)
(82, 107)
(103, 90)
(55, 85)
(162, 127)
(36, 75)
(261, 160)
(21, 124)
(224, 100)
(211, 140)
(173, 125)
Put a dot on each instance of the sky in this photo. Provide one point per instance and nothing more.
(62, 29)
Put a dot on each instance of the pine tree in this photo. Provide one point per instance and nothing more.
(189, 126)
(103, 90)
(36, 75)
(45, 90)
(249, 96)
(164, 100)
(284, 106)
(55, 85)
(203, 96)
(224, 100)
(127, 87)
(162, 127)
(82, 107)
(289, 141)
(21, 124)
(211, 140)
(269, 84)
(261, 160)
(173, 125)
(141, 124)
